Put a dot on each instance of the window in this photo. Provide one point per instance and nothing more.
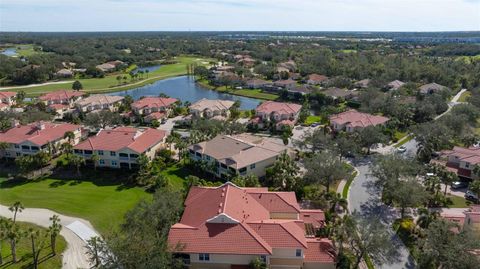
(207, 157)
(204, 257)
(88, 152)
(263, 258)
(16, 146)
(242, 170)
(25, 148)
(102, 162)
(223, 165)
(113, 153)
(100, 152)
(298, 252)
(133, 155)
(252, 166)
(191, 151)
(7, 153)
(114, 163)
(18, 154)
(198, 154)
(34, 148)
(125, 155)
(77, 151)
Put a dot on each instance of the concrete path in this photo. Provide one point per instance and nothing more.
(74, 256)
(35, 85)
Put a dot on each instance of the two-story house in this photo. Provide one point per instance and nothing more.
(461, 160)
(352, 120)
(228, 227)
(99, 102)
(120, 147)
(64, 97)
(469, 218)
(206, 108)
(241, 154)
(39, 136)
(7, 99)
(280, 114)
(153, 108)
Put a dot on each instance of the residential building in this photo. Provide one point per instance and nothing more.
(35, 137)
(66, 97)
(337, 93)
(431, 88)
(364, 83)
(257, 83)
(285, 84)
(64, 73)
(277, 112)
(120, 147)
(153, 108)
(243, 154)
(227, 227)
(7, 99)
(460, 160)
(288, 66)
(394, 85)
(210, 108)
(106, 67)
(99, 102)
(225, 68)
(316, 79)
(468, 218)
(353, 120)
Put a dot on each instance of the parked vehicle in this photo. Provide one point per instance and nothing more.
(469, 195)
(401, 149)
(314, 124)
(459, 184)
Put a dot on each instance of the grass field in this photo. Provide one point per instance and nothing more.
(110, 84)
(313, 119)
(24, 254)
(252, 93)
(457, 202)
(464, 96)
(102, 203)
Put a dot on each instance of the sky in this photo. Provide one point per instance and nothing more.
(239, 15)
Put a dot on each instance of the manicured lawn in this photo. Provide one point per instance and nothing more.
(110, 83)
(176, 175)
(255, 93)
(464, 97)
(405, 140)
(458, 202)
(313, 119)
(102, 203)
(399, 135)
(24, 251)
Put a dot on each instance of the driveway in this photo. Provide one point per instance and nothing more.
(168, 125)
(365, 199)
(74, 255)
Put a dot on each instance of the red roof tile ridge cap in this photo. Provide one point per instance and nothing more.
(277, 193)
(288, 231)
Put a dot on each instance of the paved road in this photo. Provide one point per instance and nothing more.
(364, 199)
(74, 256)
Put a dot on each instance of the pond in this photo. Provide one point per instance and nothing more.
(185, 89)
(9, 52)
(149, 68)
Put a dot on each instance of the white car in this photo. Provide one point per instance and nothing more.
(401, 149)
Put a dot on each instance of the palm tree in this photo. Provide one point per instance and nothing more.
(3, 236)
(426, 217)
(147, 71)
(125, 79)
(70, 136)
(119, 79)
(67, 148)
(14, 234)
(34, 236)
(4, 146)
(95, 158)
(76, 161)
(15, 208)
(54, 231)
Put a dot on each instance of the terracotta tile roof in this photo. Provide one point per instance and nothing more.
(320, 250)
(313, 216)
(7, 94)
(470, 155)
(58, 106)
(38, 133)
(60, 95)
(431, 87)
(269, 107)
(317, 78)
(284, 83)
(396, 84)
(353, 118)
(156, 116)
(153, 102)
(138, 140)
(233, 220)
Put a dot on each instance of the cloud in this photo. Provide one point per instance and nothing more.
(311, 15)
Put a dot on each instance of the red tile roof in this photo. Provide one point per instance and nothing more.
(233, 220)
(314, 216)
(156, 115)
(138, 140)
(60, 95)
(320, 250)
(7, 94)
(470, 155)
(353, 118)
(269, 107)
(58, 106)
(317, 78)
(39, 136)
(153, 102)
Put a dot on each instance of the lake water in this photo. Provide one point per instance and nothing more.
(9, 52)
(149, 68)
(185, 89)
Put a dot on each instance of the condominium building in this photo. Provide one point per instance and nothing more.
(120, 147)
(281, 114)
(65, 97)
(7, 99)
(353, 120)
(153, 108)
(35, 137)
(239, 154)
(228, 227)
(99, 102)
(206, 108)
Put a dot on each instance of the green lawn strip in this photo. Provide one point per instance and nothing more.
(464, 97)
(111, 84)
(399, 135)
(457, 202)
(132, 67)
(176, 175)
(313, 119)
(404, 141)
(369, 262)
(255, 93)
(102, 203)
(24, 251)
(348, 184)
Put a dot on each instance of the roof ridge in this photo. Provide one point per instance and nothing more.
(282, 223)
(257, 237)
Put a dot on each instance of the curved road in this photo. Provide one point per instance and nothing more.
(74, 256)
